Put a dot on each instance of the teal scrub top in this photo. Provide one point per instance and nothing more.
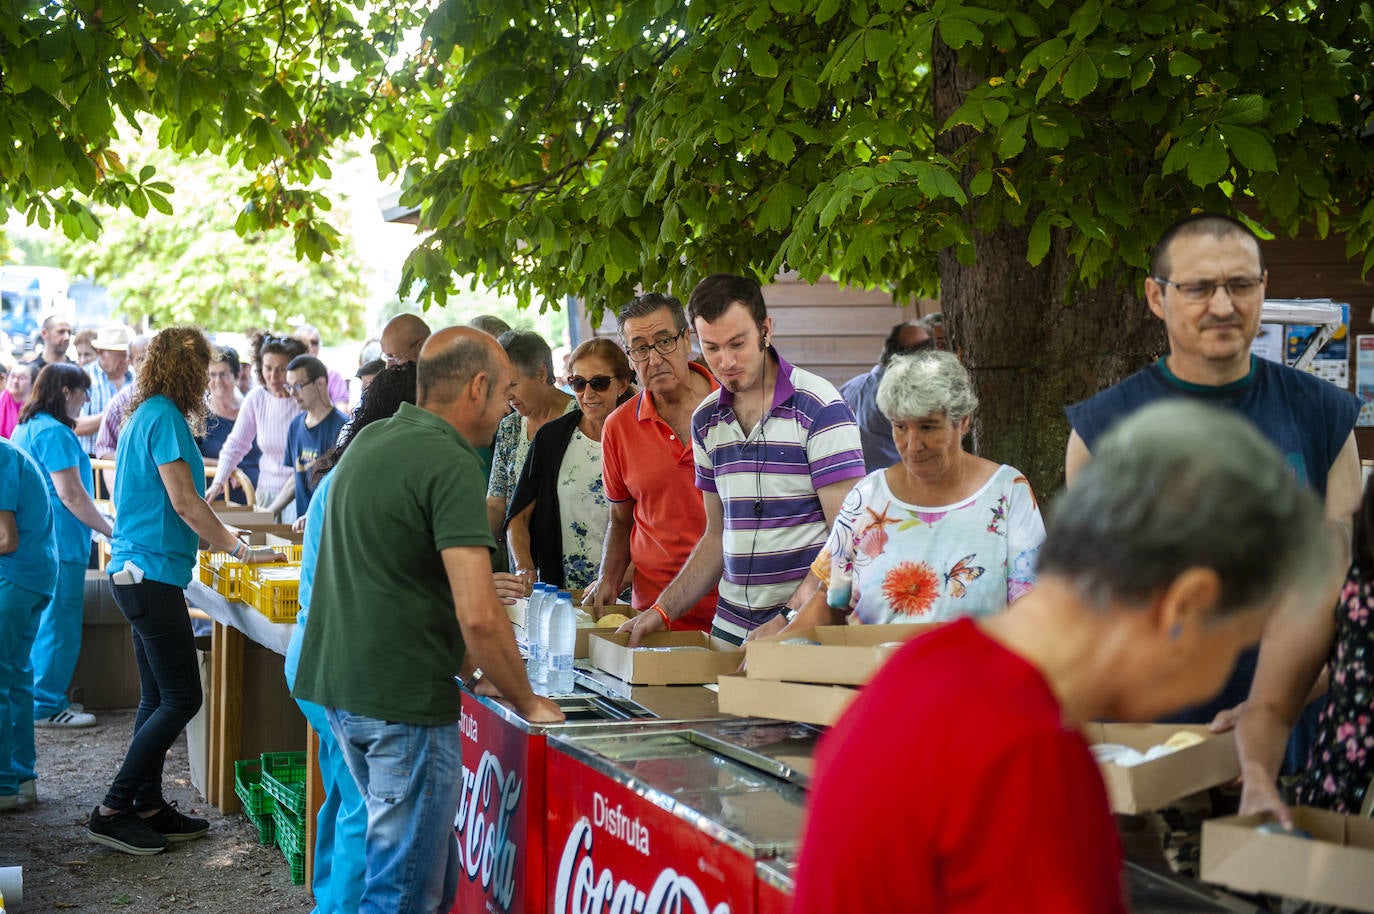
(148, 531)
(55, 447)
(33, 565)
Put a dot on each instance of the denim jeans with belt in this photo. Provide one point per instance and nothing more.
(169, 688)
(410, 777)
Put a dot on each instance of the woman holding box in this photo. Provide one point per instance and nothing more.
(161, 516)
(961, 765)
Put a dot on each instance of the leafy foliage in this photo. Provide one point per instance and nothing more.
(586, 148)
(269, 86)
(190, 265)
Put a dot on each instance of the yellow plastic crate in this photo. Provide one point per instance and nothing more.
(229, 579)
(277, 598)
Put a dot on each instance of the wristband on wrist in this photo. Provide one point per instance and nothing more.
(238, 550)
(667, 620)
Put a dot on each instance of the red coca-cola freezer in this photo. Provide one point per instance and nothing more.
(775, 884)
(670, 820)
(501, 817)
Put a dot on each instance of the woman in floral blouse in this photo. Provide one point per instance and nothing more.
(1296, 651)
(941, 535)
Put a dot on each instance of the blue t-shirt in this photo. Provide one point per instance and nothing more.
(310, 553)
(55, 447)
(33, 565)
(147, 530)
(304, 445)
(1306, 418)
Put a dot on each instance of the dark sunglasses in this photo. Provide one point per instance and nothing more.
(599, 383)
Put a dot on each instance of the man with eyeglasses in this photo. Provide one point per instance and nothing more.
(402, 338)
(657, 515)
(312, 432)
(1207, 282)
(776, 452)
(309, 334)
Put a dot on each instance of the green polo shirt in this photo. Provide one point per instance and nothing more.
(383, 640)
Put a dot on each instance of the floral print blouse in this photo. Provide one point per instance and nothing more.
(1342, 761)
(890, 561)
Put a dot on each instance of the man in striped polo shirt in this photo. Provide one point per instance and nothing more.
(776, 451)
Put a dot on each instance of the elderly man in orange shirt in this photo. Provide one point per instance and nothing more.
(657, 515)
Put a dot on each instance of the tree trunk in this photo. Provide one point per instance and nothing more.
(1033, 339)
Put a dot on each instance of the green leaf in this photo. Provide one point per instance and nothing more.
(1181, 64)
(1038, 242)
(780, 146)
(805, 92)
(159, 202)
(1245, 110)
(1048, 133)
(995, 111)
(1209, 162)
(764, 64)
(1081, 77)
(1250, 148)
(1011, 139)
(958, 32)
(826, 10)
(981, 183)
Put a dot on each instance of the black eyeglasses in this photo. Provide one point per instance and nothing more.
(600, 383)
(664, 346)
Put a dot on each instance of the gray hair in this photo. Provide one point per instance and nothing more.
(528, 353)
(924, 383)
(1181, 485)
(649, 303)
(489, 323)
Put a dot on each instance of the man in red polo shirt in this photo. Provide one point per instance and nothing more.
(657, 515)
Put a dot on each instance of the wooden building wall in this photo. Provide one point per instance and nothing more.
(823, 327)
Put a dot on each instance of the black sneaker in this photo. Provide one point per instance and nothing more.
(125, 831)
(172, 825)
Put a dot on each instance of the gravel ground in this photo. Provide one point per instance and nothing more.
(226, 872)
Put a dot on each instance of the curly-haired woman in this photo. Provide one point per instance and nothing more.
(160, 517)
(264, 417)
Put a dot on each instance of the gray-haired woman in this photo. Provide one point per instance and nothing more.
(942, 534)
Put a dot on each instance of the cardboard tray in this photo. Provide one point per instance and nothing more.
(1335, 868)
(746, 696)
(846, 654)
(1156, 784)
(609, 651)
(516, 613)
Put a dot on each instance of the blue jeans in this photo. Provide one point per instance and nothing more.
(410, 777)
(58, 642)
(169, 689)
(19, 612)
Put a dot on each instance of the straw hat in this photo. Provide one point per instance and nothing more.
(115, 337)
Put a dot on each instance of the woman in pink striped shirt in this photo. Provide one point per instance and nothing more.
(264, 417)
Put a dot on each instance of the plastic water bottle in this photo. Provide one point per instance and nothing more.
(540, 682)
(562, 641)
(537, 593)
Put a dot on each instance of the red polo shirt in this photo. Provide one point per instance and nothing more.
(644, 462)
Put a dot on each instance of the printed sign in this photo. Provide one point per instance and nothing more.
(611, 850)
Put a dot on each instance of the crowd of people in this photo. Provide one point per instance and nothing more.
(1212, 500)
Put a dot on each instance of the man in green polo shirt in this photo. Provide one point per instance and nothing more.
(402, 588)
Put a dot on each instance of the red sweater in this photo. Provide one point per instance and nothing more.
(952, 785)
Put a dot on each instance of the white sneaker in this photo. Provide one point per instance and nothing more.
(28, 793)
(66, 719)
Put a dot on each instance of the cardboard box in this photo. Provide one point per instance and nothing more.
(1336, 867)
(1158, 783)
(106, 675)
(280, 535)
(237, 516)
(807, 703)
(846, 654)
(610, 651)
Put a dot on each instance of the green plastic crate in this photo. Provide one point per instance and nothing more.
(290, 830)
(248, 786)
(266, 828)
(283, 779)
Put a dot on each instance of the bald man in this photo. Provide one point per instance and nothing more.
(402, 338)
(404, 574)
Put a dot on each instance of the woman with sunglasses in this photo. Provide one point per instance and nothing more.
(264, 418)
(558, 514)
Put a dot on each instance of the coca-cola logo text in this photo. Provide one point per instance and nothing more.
(581, 890)
(490, 798)
(467, 725)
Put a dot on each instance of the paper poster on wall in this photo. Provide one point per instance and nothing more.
(1332, 363)
(1364, 378)
(1269, 343)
